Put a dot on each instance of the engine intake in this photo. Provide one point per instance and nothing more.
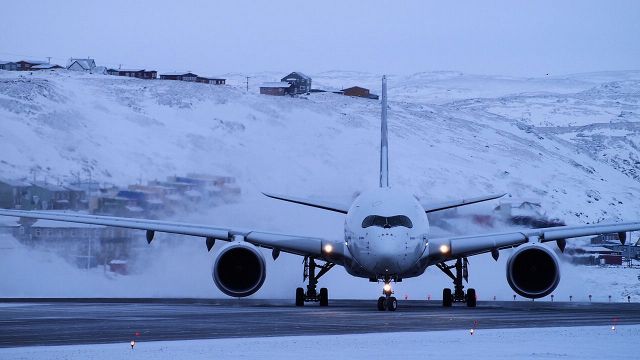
(239, 270)
(533, 271)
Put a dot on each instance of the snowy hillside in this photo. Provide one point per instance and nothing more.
(571, 141)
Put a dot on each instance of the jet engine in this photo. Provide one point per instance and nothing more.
(533, 271)
(239, 269)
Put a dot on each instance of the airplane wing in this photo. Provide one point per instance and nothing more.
(341, 208)
(462, 246)
(299, 245)
(431, 207)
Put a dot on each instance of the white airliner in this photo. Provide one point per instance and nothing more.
(386, 238)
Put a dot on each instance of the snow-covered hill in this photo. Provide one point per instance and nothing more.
(571, 141)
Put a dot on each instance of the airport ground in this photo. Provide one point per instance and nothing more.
(29, 322)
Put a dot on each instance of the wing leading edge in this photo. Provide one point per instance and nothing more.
(431, 207)
(477, 244)
(325, 205)
(299, 245)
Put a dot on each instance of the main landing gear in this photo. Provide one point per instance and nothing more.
(310, 273)
(387, 302)
(458, 295)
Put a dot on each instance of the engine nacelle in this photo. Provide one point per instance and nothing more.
(239, 269)
(533, 271)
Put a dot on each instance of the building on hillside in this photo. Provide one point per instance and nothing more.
(605, 239)
(46, 67)
(135, 73)
(9, 225)
(14, 194)
(8, 65)
(50, 196)
(81, 64)
(83, 245)
(26, 65)
(359, 92)
(211, 80)
(628, 251)
(594, 255)
(300, 83)
(180, 76)
(275, 88)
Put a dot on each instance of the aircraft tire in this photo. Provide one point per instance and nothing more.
(382, 303)
(299, 296)
(392, 304)
(324, 297)
(471, 298)
(447, 298)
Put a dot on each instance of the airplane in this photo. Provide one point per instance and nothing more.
(386, 239)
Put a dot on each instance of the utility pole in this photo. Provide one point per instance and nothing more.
(248, 83)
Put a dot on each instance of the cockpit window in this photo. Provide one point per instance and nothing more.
(387, 222)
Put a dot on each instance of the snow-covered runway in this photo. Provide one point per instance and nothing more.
(91, 321)
(594, 342)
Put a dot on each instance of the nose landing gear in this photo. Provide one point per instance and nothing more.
(458, 295)
(312, 294)
(387, 302)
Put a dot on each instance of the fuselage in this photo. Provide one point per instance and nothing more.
(386, 234)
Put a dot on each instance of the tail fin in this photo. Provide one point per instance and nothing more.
(384, 145)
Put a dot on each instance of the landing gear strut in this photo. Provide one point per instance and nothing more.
(387, 302)
(311, 294)
(458, 295)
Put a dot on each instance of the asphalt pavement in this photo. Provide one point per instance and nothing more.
(28, 322)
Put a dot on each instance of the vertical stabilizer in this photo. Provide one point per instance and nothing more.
(384, 145)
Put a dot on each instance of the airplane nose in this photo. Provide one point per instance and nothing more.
(389, 249)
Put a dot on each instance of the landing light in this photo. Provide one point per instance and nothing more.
(386, 287)
(328, 248)
(444, 248)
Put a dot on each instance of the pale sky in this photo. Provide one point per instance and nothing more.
(524, 38)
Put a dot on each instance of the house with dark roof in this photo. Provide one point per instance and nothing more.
(359, 92)
(46, 67)
(211, 80)
(8, 65)
(300, 83)
(180, 76)
(26, 65)
(135, 73)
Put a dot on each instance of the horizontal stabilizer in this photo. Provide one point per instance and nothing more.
(341, 208)
(431, 207)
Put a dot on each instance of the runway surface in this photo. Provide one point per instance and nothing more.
(26, 322)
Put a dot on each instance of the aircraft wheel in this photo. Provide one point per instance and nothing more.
(324, 297)
(299, 297)
(471, 297)
(382, 303)
(392, 304)
(447, 298)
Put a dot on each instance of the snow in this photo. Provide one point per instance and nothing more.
(585, 343)
(451, 135)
